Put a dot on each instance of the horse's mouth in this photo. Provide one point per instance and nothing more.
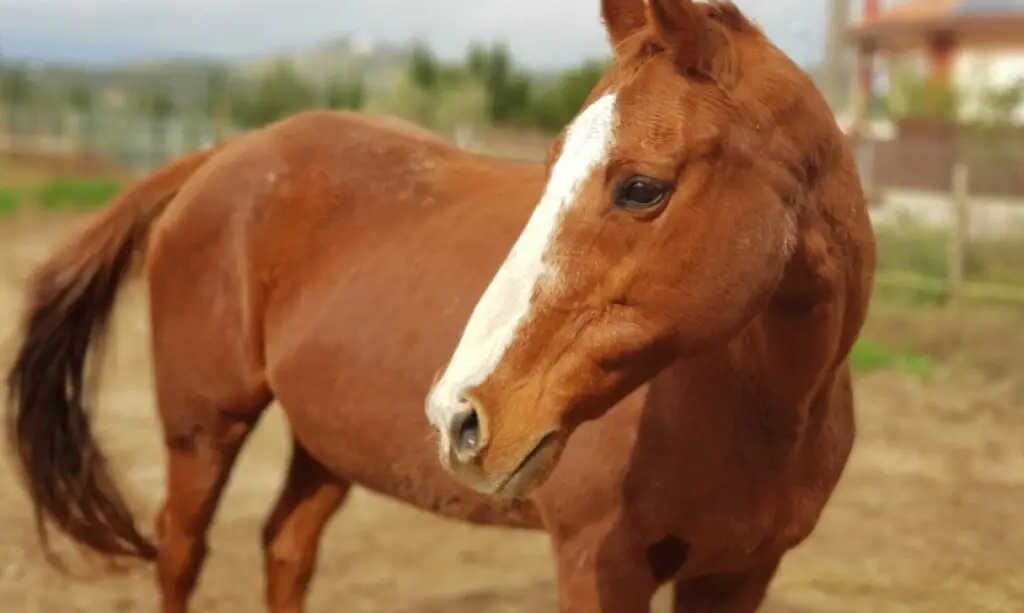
(530, 469)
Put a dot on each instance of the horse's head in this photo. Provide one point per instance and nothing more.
(666, 224)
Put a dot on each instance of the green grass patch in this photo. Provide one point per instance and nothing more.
(76, 193)
(9, 200)
(869, 356)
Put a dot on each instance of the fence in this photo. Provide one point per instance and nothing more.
(142, 143)
(949, 216)
(921, 155)
(128, 139)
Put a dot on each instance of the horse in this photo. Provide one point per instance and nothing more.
(639, 346)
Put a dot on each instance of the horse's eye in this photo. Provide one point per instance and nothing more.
(638, 193)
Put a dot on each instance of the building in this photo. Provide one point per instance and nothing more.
(974, 46)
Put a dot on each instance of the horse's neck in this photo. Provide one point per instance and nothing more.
(755, 394)
(821, 302)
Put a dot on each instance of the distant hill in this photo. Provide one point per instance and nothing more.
(187, 79)
(348, 56)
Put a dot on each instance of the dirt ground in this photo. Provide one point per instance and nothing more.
(927, 518)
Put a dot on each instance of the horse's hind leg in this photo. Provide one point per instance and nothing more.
(202, 444)
(208, 371)
(210, 396)
(291, 537)
(733, 593)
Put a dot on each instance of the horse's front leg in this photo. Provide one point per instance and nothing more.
(603, 571)
(743, 592)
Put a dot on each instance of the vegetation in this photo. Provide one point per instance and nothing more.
(76, 193)
(64, 193)
(15, 86)
(915, 96)
(918, 97)
(9, 200)
(924, 251)
(486, 87)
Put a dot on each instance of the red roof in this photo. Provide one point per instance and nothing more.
(943, 17)
(914, 11)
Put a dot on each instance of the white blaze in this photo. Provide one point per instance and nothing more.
(505, 305)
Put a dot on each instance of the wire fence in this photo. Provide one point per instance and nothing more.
(949, 216)
(129, 139)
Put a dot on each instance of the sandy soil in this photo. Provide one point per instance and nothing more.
(927, 518)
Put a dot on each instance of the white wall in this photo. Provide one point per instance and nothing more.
(974, 72)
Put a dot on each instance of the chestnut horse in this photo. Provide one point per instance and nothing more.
(655, 373)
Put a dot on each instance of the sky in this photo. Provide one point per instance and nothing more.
(540, 33)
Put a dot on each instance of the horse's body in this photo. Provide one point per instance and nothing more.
(330, 261)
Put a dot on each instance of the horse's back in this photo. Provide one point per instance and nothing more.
(269, 196)
(308, 145)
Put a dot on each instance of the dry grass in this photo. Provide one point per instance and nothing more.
(974, 346)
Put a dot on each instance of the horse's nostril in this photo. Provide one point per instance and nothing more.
(467, 432)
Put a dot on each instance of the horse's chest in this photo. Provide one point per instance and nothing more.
(725, 519)
(705, 482)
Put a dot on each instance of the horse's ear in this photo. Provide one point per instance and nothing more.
(622, 18)
(682, 28)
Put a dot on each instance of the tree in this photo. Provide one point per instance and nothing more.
(16, 92)
(495, 66)
(562, 100)
(424, 71)
(217, 102)
(508, 89)
(157, 104)
(80, 98)
(15, 87)
(985, 130)
(346, 93)
(403, 98)
(918, 97)
(436, 94)
(280, 92)
(999, 104)
(514, 100)
(216, 91)
(461, 109)
(477, 60)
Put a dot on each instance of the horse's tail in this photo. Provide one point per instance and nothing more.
(70, 297)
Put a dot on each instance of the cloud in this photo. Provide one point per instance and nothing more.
(539, 32)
